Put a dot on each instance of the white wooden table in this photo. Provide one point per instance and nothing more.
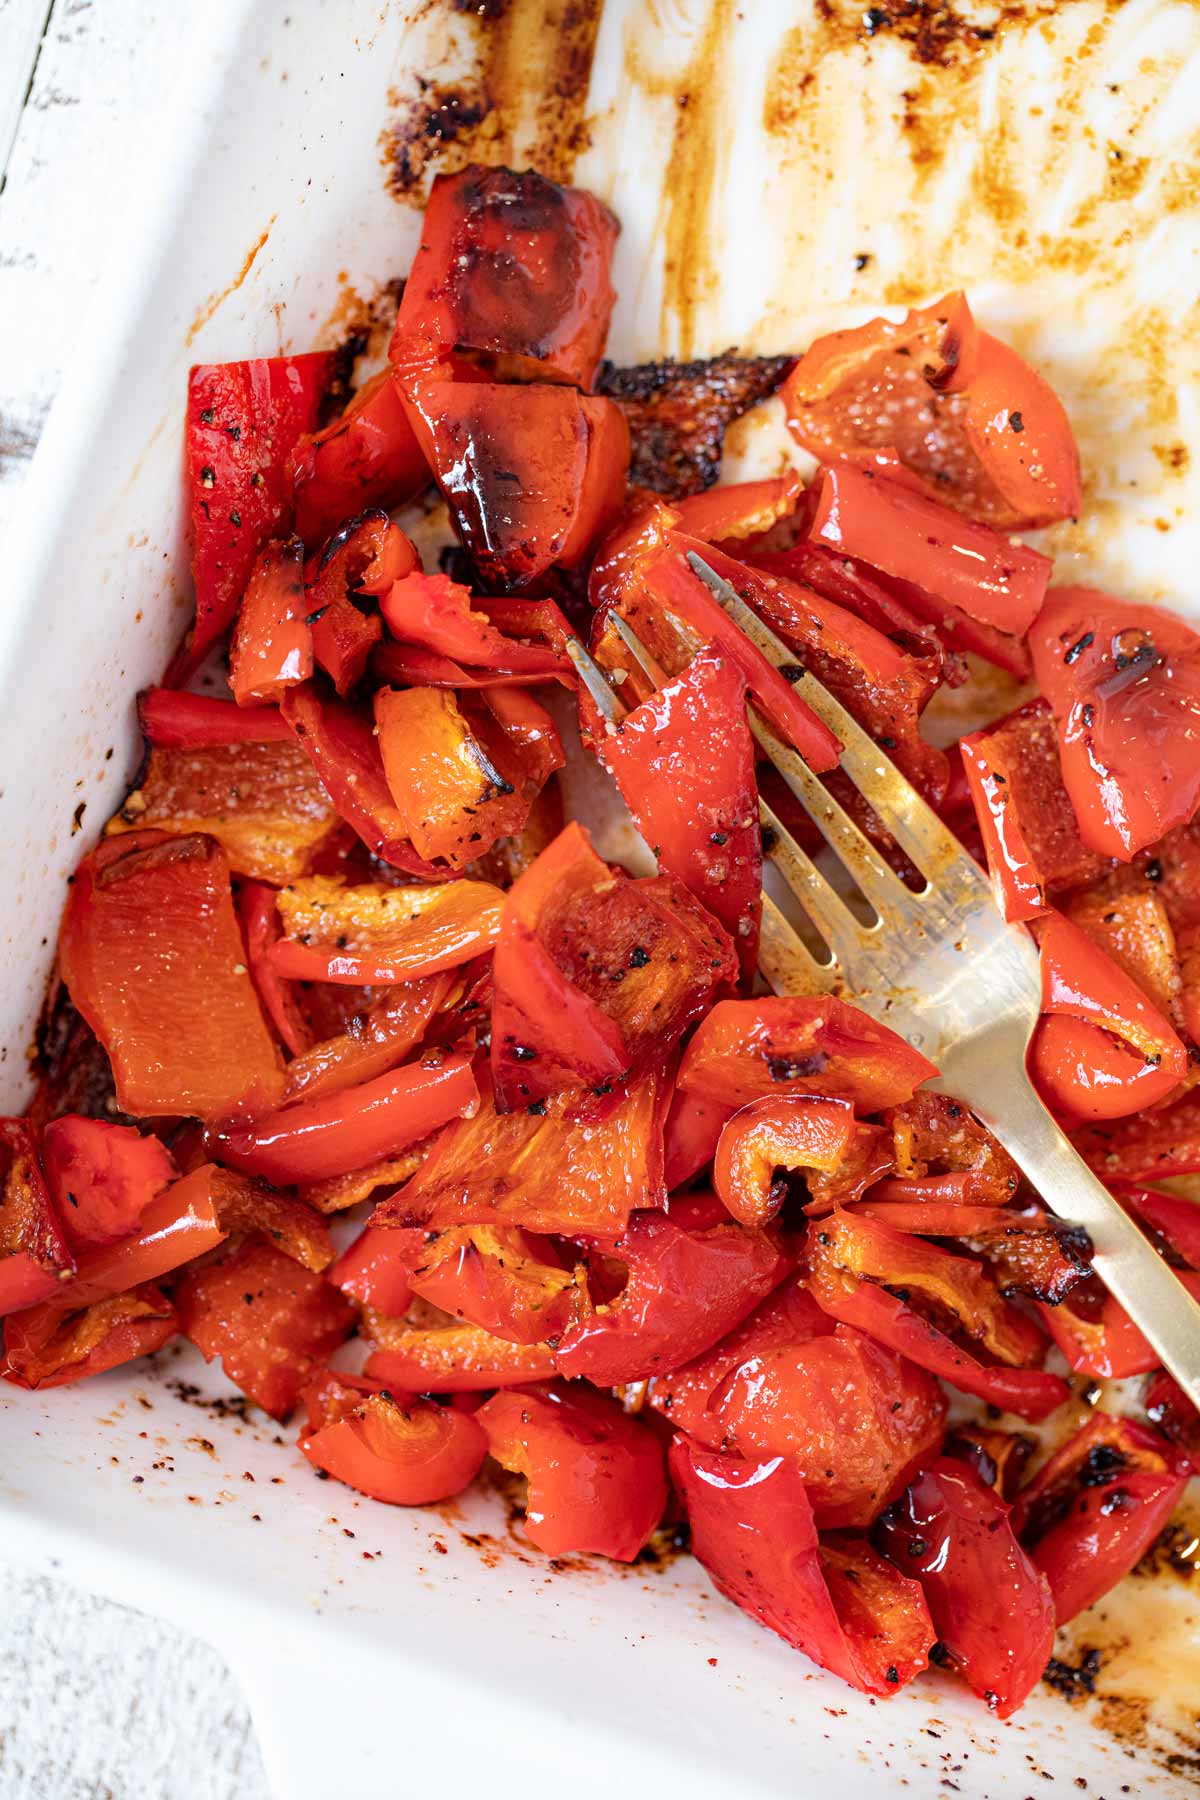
(96, 1702)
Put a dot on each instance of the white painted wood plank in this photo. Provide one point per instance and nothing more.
(21, 25)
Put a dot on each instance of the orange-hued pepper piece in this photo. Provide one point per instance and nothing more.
(802, 1132)
(35, 1256)
(389, 1444)
(51, 1345)
(272, 646)
(152, 955)
(342, 586)
(373, 933)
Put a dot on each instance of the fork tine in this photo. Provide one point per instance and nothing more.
(785, 959)
(653, 670)
(914, 824)
(845, 935)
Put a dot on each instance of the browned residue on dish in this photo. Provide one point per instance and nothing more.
(215, 300)
(514, 90)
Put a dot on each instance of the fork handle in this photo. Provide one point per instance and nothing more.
(1131, 1269)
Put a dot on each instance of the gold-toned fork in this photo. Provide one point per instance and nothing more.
(939, 966)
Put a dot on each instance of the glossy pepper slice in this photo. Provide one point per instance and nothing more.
(944, 1156)
(377, 934)
(684, 762)
(373, 1042)
(51, 1345)
(494, 1276)
(773, 1047)
(801, 1132)
(1029, 832)
(35, 1256)
(840, 1603)
(361, 561)
(102, 1177)
(258, 917)
(243, 420)
(1147, 1145)
(949, 408)
(514, 269)
(440, 616)
(855, 1419)
(367, 457)
(1097, 1336)
(453, 1359)
(389, 1445)
(271, 1322)
(597, 1480)
(991, 1607)
(532, 475)
(173, 721)
(272, 646)
(151, 953)
(1101, 1050)
(569, 1165)
(1168, 1407)
(686, 1288)
(1124, 682)
(739, 512)
(1093, 1510)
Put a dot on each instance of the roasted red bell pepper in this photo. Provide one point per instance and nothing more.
(455, 1359)
(1029, 831)
(374, 1271)
(1147, 1146)
(739, 511)
(1171, 1217)
(1124, 682)
(35, 1255)
(272, 646)
(858, 591)
(312, 1140)
(1093, 1510)
(345, 753)
(597, 1480)
(944, 560)
(855, 1419)
(152, 955)
(243, 420)
(840, 1603)
(800, 1132)
(271, 1322)
(1087, 1003)
(1097, 1336)
(1029, 1253)
(532, 475)
(948, 407)
(684, 762)
(102, 1177)
(514, 269)
(693, 1131)
(379, 934)
(174, 721)
(1169, 1408)
(373, 1042)
(572, 1164)
(944, 1156)
(389, 1445)
(367, 457)
(686, 1289)
(342, 587)
(991, 1607)
(259, 919)
(494, 1276)
(433, 613)
(50, 1345)
(768, 1048)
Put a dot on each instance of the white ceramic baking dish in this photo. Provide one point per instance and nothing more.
(386, 1652)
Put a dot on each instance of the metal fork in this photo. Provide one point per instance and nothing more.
(939, 966)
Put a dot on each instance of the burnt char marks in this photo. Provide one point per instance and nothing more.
(678, 413)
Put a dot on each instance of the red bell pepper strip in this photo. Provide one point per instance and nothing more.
(271, 1322)
(570, 1165)
(946, 407)
(35, 1255)
(693, 1131)
(1097, 1336)
(1093, 1510)
(152, 956)
(686, 1289)
(358, 564)
(373, 1042)
(853, 1418)
(102, 1177)
(513, 268)
(532, 475)
(374, 1271)
(943, 1154)
(391, 1446)
(769, 1048)
(1146, 1146)
(272, 646)
(1024, 813)
(345, 753)
(800, 1132)
(948, 560)
(1168, 1407)
(1171, 1216)
(841, 1604)
(991, 1607)
(174, 721)
(737, 511)
(181, 1222)
(243, 420)
(857, 591)
(456, 1359)
(51, 1345)
(411, 665)
(494, 1276)
(362, 936)
(312, 1140)
(684, 762)
(367, 457)
(433, 613)
(259, 919)
(1087, 1001)
(597, 1480)
(1124, 682)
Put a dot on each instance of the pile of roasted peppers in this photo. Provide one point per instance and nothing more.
(665, 1246)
